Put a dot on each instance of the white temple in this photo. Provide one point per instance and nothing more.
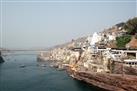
(95, 38)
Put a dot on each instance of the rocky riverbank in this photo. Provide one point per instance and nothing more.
(1, 59)
(111, 82)
(93, 60)
(94, 68)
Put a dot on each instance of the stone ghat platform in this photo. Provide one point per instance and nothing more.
(109, 82)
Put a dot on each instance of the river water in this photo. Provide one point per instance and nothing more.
(23, 73)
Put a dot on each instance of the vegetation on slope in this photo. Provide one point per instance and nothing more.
(123, 40)
(131, 27)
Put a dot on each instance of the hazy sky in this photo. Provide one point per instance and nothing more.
(35, 23)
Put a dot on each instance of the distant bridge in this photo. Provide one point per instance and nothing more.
(21, 52)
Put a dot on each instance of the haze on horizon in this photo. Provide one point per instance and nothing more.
(30, 24)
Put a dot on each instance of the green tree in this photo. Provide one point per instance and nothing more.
(131, 26)
(123, 40)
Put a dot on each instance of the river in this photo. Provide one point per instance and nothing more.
(23, 73)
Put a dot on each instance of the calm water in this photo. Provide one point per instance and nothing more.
(36, 78)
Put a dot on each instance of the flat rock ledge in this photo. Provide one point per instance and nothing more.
(109, 82)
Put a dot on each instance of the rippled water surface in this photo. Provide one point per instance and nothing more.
(23, 73)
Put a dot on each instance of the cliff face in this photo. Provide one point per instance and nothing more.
(82, 59)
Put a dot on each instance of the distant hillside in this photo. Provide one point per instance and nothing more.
(124, 33)
(129, 40)
(74, 42)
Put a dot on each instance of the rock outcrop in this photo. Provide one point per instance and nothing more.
(111, 82)
(1, 59)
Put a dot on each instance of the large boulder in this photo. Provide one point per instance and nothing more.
(1, 59)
